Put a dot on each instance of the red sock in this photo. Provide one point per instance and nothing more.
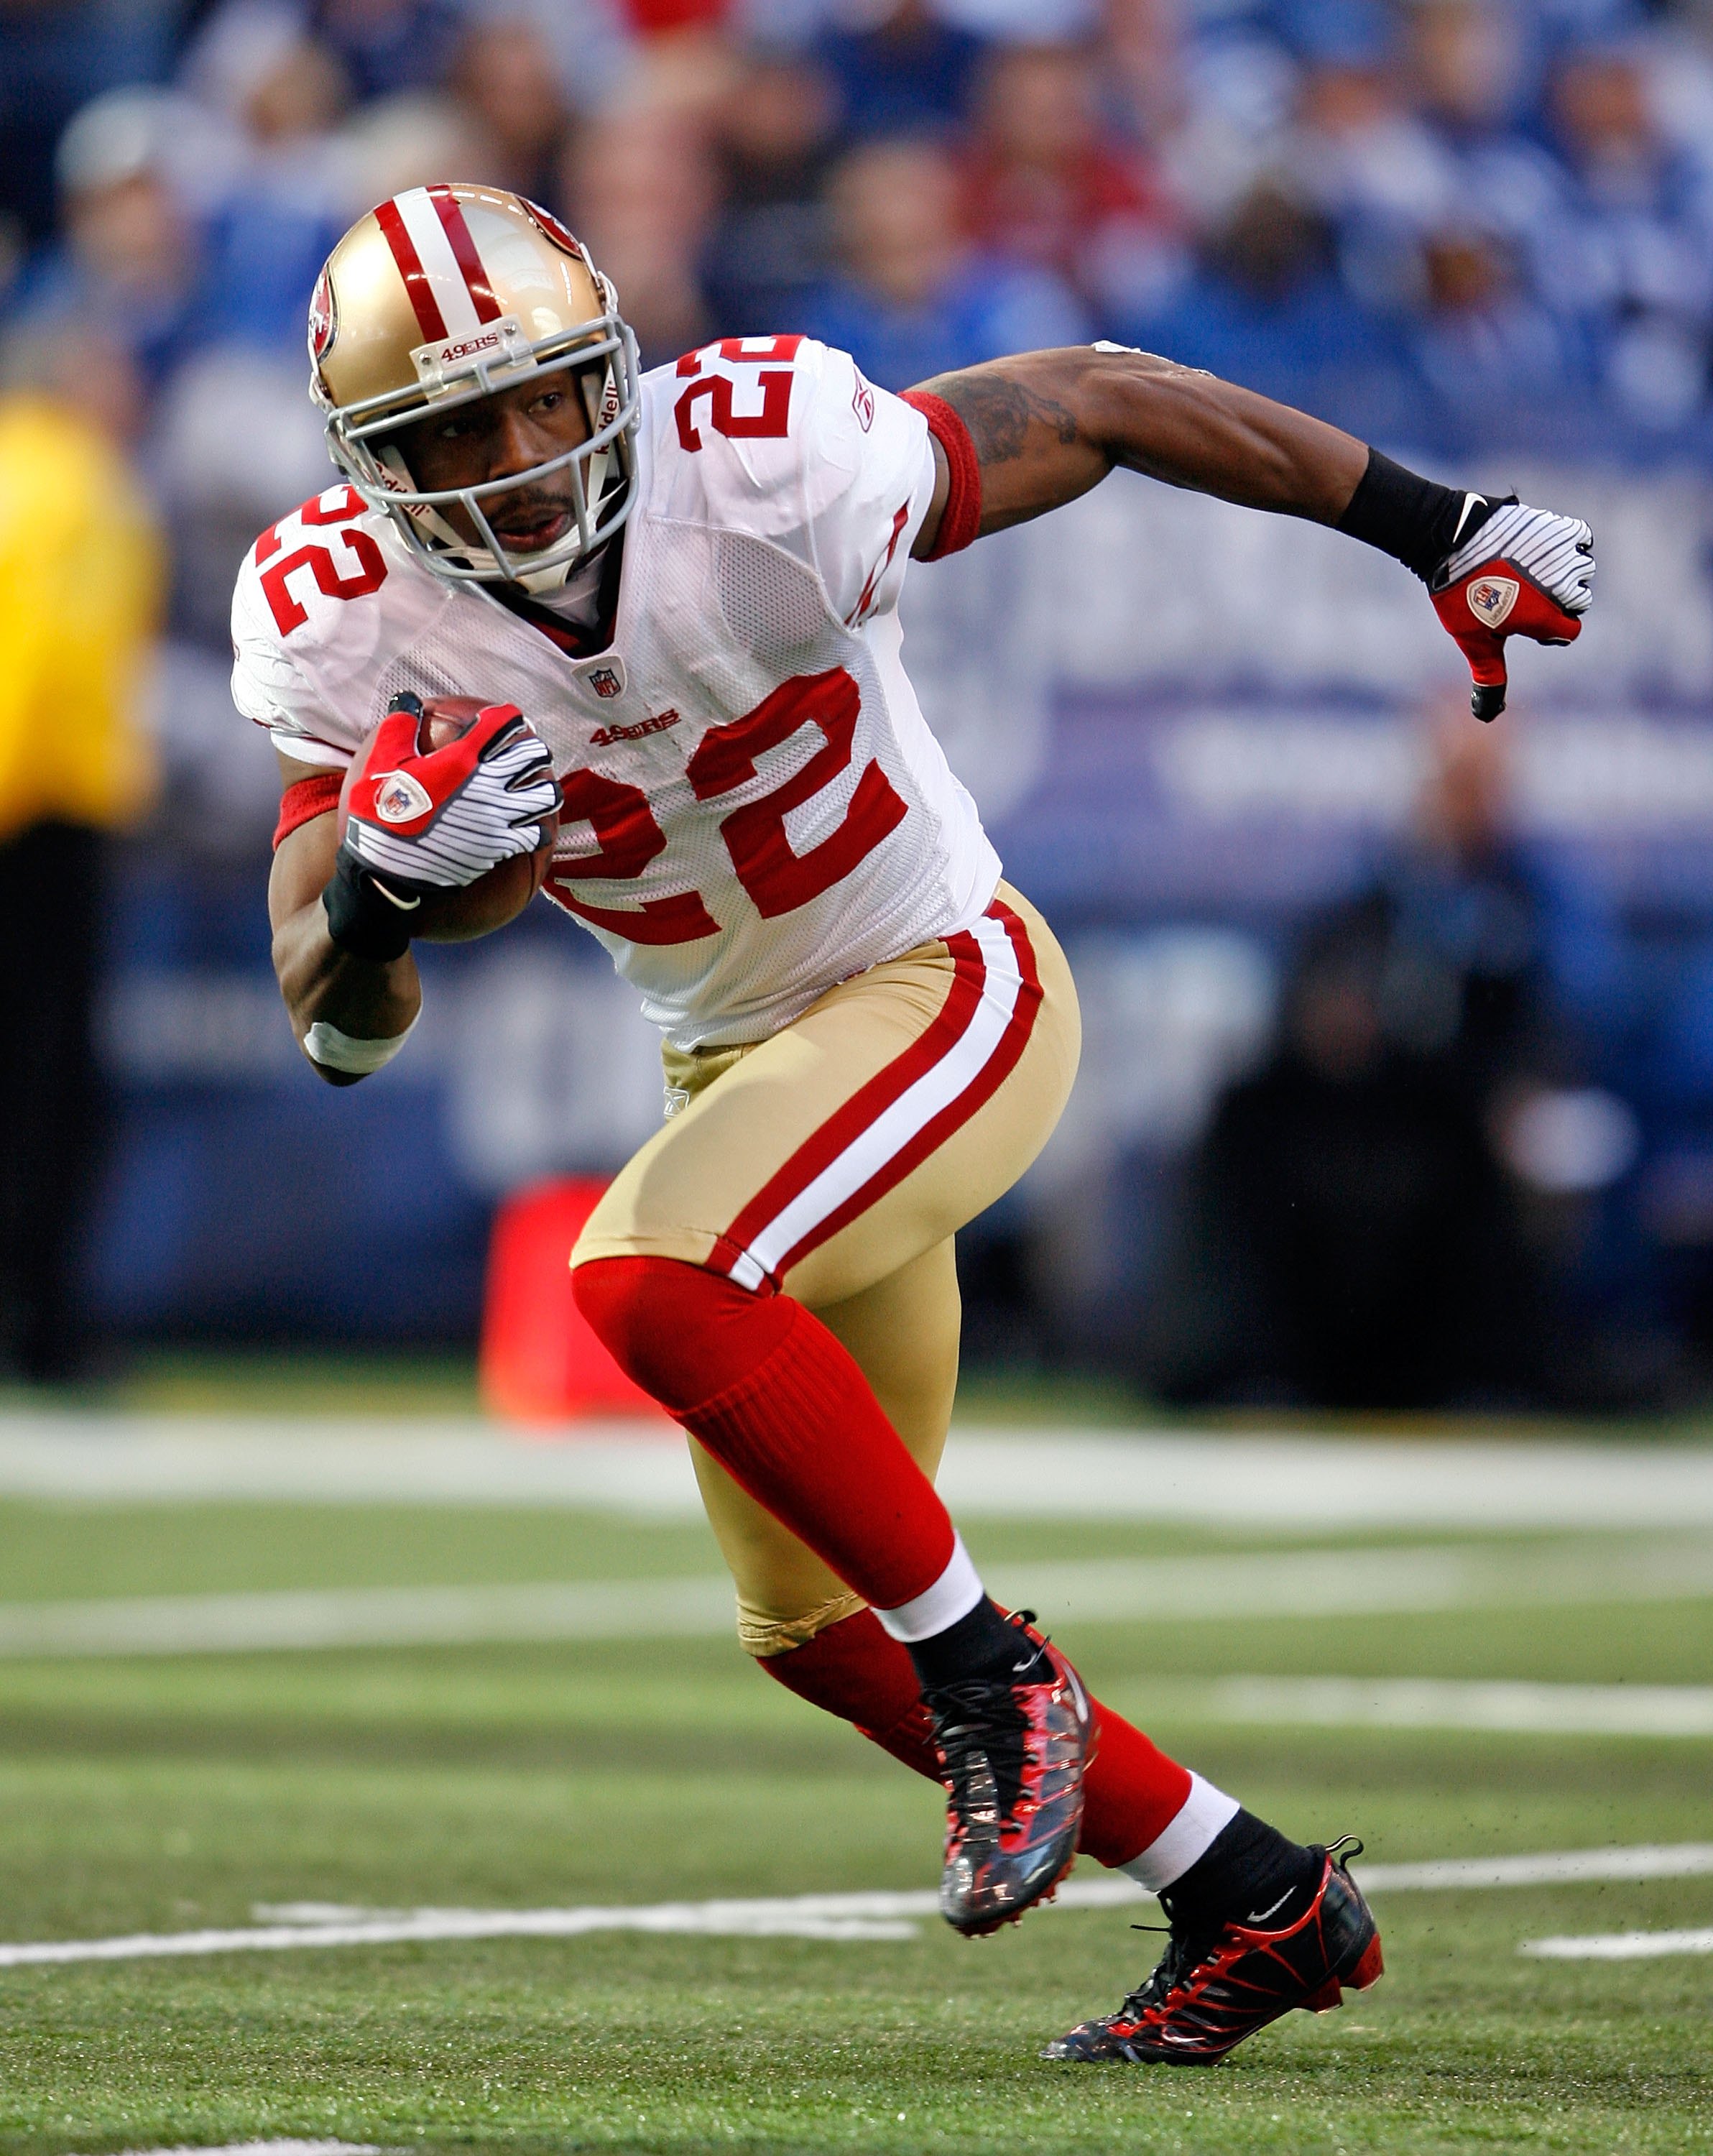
(1132, 1792)
(784, 1410)
(856, 1672)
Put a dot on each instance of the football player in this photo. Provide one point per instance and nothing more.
(675, 596)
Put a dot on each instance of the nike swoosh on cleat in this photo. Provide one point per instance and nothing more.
(1261, 1918)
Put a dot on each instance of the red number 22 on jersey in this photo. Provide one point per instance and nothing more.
(778, 879)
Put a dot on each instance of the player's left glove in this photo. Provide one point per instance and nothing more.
(1523, 572)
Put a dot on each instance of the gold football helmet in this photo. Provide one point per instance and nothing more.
(445, 294)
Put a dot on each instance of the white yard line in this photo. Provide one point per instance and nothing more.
(1327, 1582)
(1570, 1710)
(268, 2148)
(1620, 1946)
(1286, 1483)
(367, 1617)
(1683, 1860)
(1293, 1583)
(880, 1915)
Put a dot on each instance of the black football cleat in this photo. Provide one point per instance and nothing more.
(1013, 1749)
(1213, 1988)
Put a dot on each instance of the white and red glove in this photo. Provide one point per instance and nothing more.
(1523, 572)
(418, 819)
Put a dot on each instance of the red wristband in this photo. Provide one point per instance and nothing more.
(304, 799)
(961, 519)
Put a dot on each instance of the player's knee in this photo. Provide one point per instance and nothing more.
(635, 1307)
(682, 1333)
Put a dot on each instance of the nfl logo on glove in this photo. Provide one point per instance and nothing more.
(1493, 598)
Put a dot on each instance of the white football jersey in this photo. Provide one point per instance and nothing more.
(753, 807)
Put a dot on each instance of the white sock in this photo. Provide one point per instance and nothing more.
(1204, 1814)
(954, 1594)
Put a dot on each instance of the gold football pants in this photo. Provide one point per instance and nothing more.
(834, 1162)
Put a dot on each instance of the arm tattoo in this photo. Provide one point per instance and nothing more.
(999, 411)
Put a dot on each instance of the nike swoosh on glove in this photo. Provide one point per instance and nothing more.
(1524, 572)
(441, 819)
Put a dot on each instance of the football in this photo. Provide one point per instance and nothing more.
(457, 915)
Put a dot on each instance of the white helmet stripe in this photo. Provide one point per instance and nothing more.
(440, 265)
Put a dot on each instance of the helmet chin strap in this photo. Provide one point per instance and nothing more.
(430, 521)
(538, 582)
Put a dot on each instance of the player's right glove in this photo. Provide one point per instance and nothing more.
(1523, 571)
(421, 819)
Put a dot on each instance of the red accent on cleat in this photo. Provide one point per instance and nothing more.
(1013, 1756)
(1211, 1991)
(1370, 1968)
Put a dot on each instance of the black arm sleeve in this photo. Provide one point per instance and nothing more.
(1414, 519)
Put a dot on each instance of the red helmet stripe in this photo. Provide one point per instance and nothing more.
(463, 249)
(429, 318)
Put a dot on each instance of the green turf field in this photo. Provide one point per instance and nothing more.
(175, 1793)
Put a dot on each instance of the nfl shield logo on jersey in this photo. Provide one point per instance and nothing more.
(1492, 597)
(609, 681)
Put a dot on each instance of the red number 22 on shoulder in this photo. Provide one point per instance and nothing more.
(368, 575)
(774, 380)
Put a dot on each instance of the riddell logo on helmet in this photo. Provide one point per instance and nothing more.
(1491, 599)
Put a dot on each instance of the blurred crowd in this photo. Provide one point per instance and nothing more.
(1448, 224)
(1453, 226)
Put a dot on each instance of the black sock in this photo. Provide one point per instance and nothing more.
(979, 1644)
(1249, 1871)
(1415, 520)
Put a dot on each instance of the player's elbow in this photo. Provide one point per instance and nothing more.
(1116, 386)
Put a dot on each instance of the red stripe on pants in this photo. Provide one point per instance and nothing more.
(865, 1108)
